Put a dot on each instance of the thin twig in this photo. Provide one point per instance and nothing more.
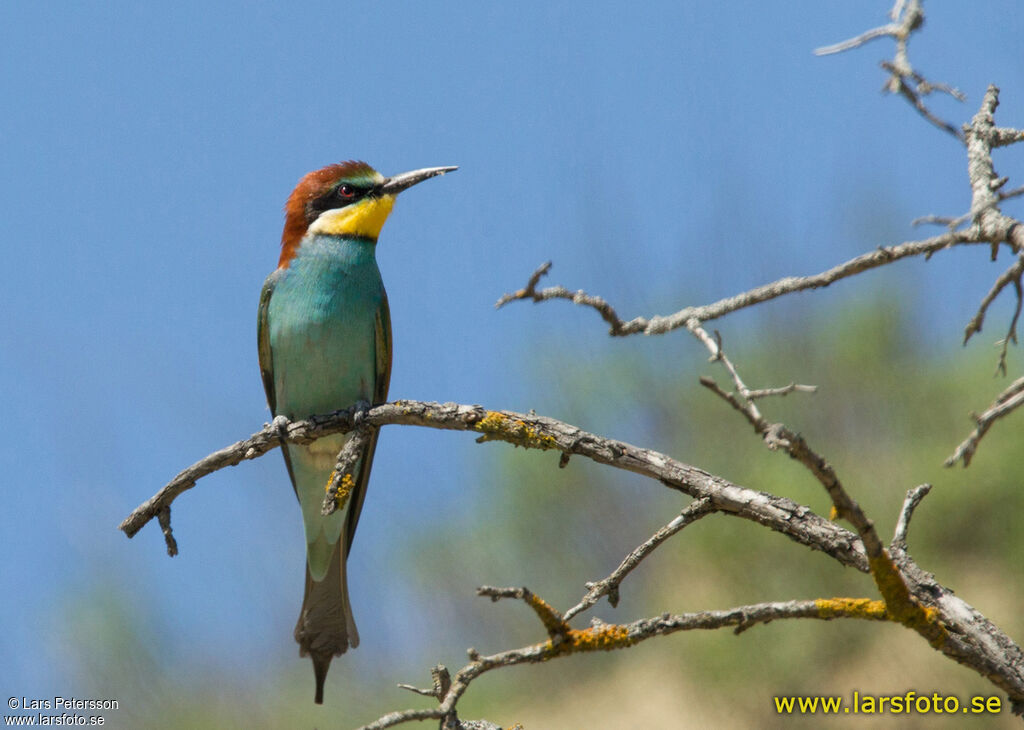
(610, 586)
(1009, 194)
(1005, 403)
(898, 84)
(164, 519)
(603, 308)
(783, 391)
(1011, 332)
(910, 503)
(882, 31)
(942, 220)
(1012, 274)
(442, 683)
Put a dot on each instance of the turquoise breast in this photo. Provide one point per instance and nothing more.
(321, 326)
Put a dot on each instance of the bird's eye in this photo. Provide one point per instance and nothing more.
(347, 191)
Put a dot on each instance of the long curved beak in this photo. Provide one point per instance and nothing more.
(397, 183)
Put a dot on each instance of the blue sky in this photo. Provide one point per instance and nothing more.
(661, 156)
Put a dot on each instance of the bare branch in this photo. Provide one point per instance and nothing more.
(898, 600)
(164, 519)
(442, 683)
(253, 447)
(1016, 192)
(530, 290)
(1003, 136)
(913, 499)
(578, 297)
(417, 690)
(1012, 274)
(783, 391)
(903, 79)
(660, 324)
(1011, 332)
(899, 582)
(610, 586)
(731, 399)
(898, 83)
(882, 31)
(954, 223)
(942, 220)
(1004, 404)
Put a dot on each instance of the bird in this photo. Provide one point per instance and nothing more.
(324, 340)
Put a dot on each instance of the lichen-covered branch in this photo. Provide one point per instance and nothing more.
(342, 480)
(608, 637)
(531, 431)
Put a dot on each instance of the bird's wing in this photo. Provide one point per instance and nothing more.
(382, 339)
(267, 356)
(263, 338)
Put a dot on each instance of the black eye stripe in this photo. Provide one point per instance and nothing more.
(337, 197)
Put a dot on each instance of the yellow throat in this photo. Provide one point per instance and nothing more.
(364, 219)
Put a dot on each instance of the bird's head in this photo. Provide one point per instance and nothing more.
(347, 199)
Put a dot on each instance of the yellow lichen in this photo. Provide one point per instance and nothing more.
(496, 425)
(855, 607)
(597, 638)
(901, 605)
(344, 489)
(608, 636)
(551, 620)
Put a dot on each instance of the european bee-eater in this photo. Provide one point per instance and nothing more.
(325, 344)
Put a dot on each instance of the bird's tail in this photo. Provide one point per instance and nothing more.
(326, 628)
